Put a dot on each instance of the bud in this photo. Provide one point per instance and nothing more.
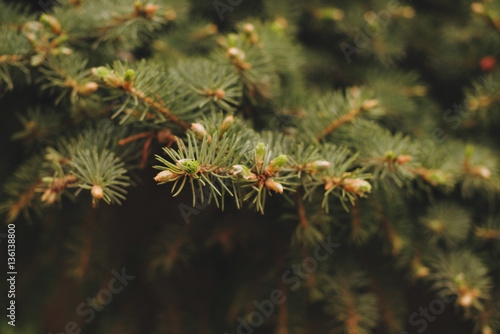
(170, 15)
(273, 185)
(368, 104)
(356, 186)
(31, 37)
(421, 271)
(436, 225)
(481, 171)
(397, 245)
(150, 10)
(331, 13)
(477, 7)
(486, 330)
(459, 279)
(129, 75)
(59, 40)
(101, 72)
(260, 150)
(403, 159)
(389, 156)
(248, 28)
(232, 52)
(200, 131)
(128, 79)
(420, 90)
(279, 24)
(226, 123)
(241, 171)
(66, 51)
(280, 161)
(235, 53)
(165, 176)
(88, 88)
(319, 165)
(49, 196)
(469, 151)
(408, 12)
(472, 103)
(467, 298)
(188, 165)
(232, 41)
(52, 22)
(219, 93)
(276, 164)
(97, 192)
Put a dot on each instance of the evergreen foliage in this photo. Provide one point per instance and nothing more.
(216, 149)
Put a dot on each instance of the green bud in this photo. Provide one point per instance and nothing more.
(101, 71)
(438, 177)
(44, 18)
(129, 75)
(60, 39)
(320, 165)
(188, 165)
(51, 21)
(331, 13)
(241, 171)
(436, 225)
(389, 155)
(459, 279)
(365, 186)
(276, 27)
(260, 149)
(469, 151)
(280, 161)
(232, 40)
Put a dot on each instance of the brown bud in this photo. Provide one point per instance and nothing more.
(422, 271)
(467, 298)
(477, 7)
(356, 186)
(273, 185)
(165, 176)
(226, 123)
(248, 28)
(170, 15)
(482, 172)
(403, 159)
(87, 88)
(49, 196)
(97, 192)
(150, 10)
(368, 104)
(219, 93)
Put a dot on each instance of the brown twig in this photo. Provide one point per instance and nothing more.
(156, 105)
(338, 122)
(301, 209)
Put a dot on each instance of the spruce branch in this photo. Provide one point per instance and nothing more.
(144, 88)
(20, 191)
(463, 274)
(101, 173)
(366, 105)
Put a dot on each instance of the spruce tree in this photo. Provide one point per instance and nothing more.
(232, 166)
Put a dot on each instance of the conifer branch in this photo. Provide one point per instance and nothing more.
(348, 117)
(301, 210)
